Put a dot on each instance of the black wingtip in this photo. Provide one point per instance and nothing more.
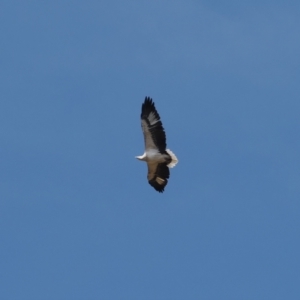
(157, 187)
(149, 103)
(148, 106)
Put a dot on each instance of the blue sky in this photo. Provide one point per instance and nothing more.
(78, 219)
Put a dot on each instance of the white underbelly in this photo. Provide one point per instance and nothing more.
(154, 155)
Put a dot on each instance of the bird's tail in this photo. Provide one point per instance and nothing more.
(174, 160)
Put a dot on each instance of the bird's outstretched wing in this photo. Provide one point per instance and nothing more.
(154, 133)
(158, 175)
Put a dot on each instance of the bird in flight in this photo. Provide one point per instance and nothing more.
(158, 158)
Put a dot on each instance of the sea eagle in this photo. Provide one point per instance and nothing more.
(158, 158)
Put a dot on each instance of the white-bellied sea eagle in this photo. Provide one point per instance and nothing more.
(158, 158)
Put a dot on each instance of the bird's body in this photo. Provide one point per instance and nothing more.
(158, 158)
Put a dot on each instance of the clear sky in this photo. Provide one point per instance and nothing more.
(78, 219)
